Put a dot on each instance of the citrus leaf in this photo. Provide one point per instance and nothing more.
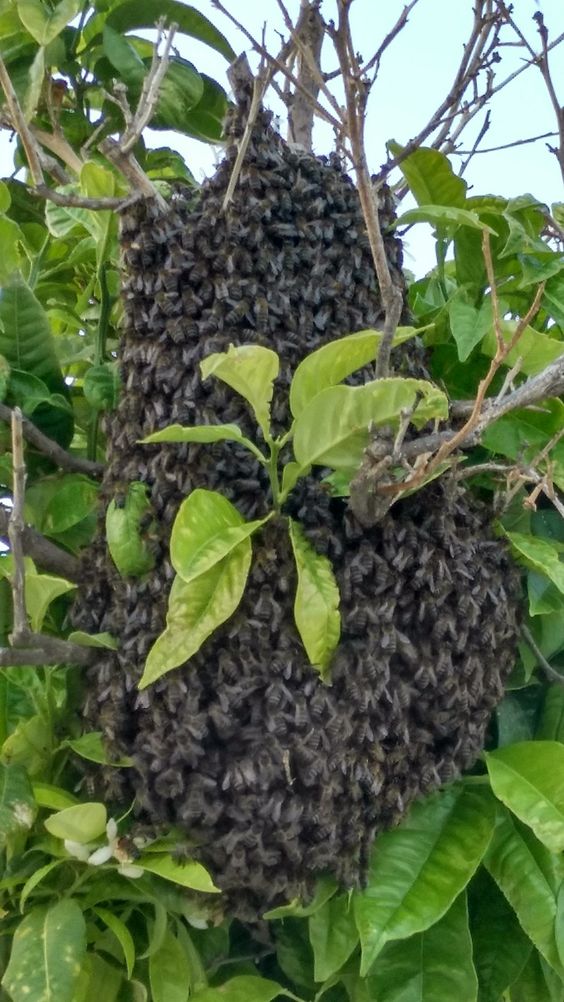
(523, 870)
(534, 349)
(130, 15)
(333, 362)
(419, 868)
(203, 433)
(334, 428)
(80, 823)
(244, 988)
(17, 803)
(499, 945)
(47, 953)
(422, 968)
(196, 609)
(468, 324)
(190, 874)
(169, 973)
(44, 22)
(250, 370)
(333, 936)
(445, 216)
(35, 879)
(105, 641)
(122, 934)
(129, 551)
(541, 555)
(528, 777)
(91, 747)
(326, 888)
(101, 386)
(53, 797)
(316, 608)
(206, 529)
(430, 177)
(40, 591)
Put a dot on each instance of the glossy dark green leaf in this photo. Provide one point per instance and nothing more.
(47, 953)
(434, 966)
(430, 177)
(122, 934)
(517, 714)
(333, 936)
(17, 803)
(419, 868)
(500, 947)
(206, 529)
(551, 723)
(529, 779)
(181, 91)
(101, 386)
(316, 606)
(196, 609)
(205, 120)
(523, 869)
(123, 57)
(130, 15)
(169, 973)
(537, 983)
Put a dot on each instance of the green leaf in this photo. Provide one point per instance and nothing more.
(62, 502)
(537, 983)
(47, 954)
(206, 529)
(17, 804)
(551, 724)
(316, 608)
(122, 934)
(534, 349)
(523, 870)
(250, 370)
(52, 797)
(205, 434)
(80, 823)
(123, 57)
(104, 641)
(44, 22)
(443, 216)
(420, 868)
(91, 747)
(523, 434)
(529, 779)
(36, 81)
(541, 555)
(435, 966)
(469, 325)
(181, 91)
(500, 946)
(244, 988)
(430, 177)
(196, 609)
(36, 877)
(333, 430)
(130, 15)
(5, 198)
(129, 551)
(29, 745)
(333, 362)
(169, 973)
(333, 936)
(40, 591)
(11, 238)
(190, 874)
(326, 888)
(101, 386)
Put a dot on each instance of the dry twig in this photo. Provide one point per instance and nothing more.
(63, 459)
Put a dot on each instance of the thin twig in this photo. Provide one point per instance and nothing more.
(15, 529)
(151, 88)
(63, 459)
(401, 22)
(81, 202)
(19, 123)
(42, 649)
(549, 671)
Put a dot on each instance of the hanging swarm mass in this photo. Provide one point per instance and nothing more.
(278, 776)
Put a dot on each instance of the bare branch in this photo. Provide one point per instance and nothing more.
(41, 649)
(15, 528)
(80, 202)
(150, 92)
(51, 449)
(307, 39)
(42, 551)
(374, 62)
(19, 123)
(504, 146)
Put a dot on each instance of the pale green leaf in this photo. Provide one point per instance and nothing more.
(91, 747)
(333, 936)
(53, 797)
(419, 868)
(243, 988)
(29, 745)
(169, 972)
(528, 777)
(541, 555)
(5, 197)
(443, 217)
(250, 370)
(11, 238)
(206, 529)
(17, 803)
(189, 874)
(524, 871)
(43, 21)
(122, 934)
(104, 641)
(47, 953)
(80, 823)
(434, 966)
(316, 607)
(334, 428)
(196, 609)
(128, 548)
(534, 350)
(40, 591)
(430, 176)
(205, 433)
(333, 362)
(325, 889)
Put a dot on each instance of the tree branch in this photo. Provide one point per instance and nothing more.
(42, 551)
(41, 649)
(15, 529)
(63, 459)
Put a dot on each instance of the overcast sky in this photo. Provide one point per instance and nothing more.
(416, 74)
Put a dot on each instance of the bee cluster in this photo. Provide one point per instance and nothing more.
(277, 776)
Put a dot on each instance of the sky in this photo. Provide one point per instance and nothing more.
(416, 72)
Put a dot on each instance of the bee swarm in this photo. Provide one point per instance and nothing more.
(277, 776)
